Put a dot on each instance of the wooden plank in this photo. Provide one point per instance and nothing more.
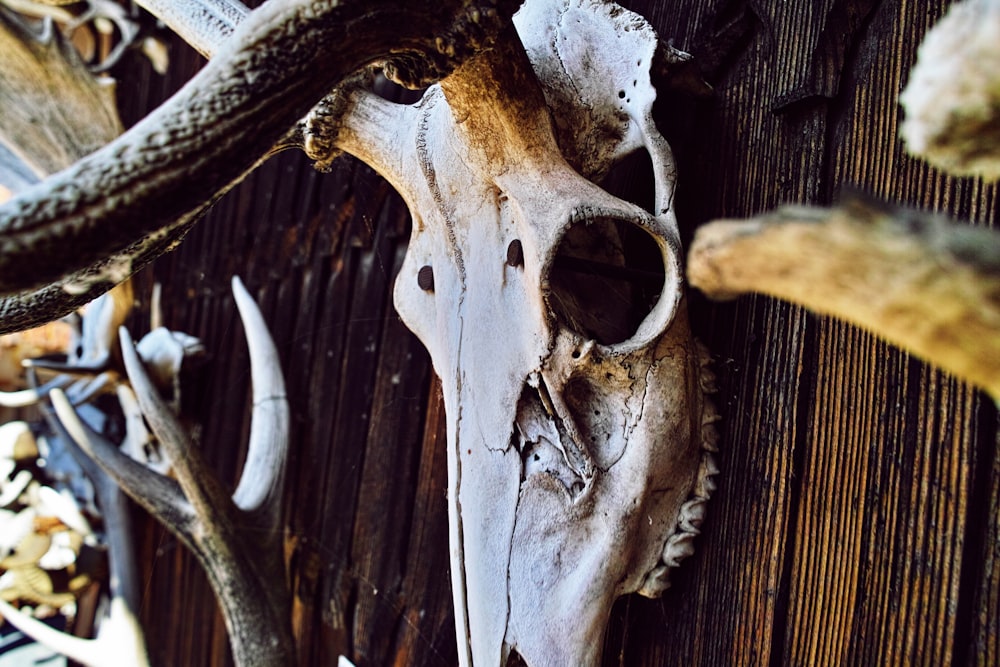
(880, 470)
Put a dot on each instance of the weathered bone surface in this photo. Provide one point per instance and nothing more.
(925, 283)
(554, 314)
(552, 310)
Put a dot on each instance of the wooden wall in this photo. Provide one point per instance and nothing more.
(856, 520)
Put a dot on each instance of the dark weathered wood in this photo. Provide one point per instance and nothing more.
(844, 528)
(857, 516)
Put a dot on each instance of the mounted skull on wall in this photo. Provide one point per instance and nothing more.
(554, 315)
(553, 311)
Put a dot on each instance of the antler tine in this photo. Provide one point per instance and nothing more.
(204, 24)
(246, 573)
(158, 495)
(200, 486)
(262, 481)
(919, 281)
(25, 397)
(84, 651)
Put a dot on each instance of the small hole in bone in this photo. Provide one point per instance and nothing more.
(515, 253)
(605, 279)
(621, 94)
(425, 278)
(515, 660)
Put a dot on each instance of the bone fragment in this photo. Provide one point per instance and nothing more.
(17, 442)
(139, 443)
(201, 488)
(927, 284)
(120, 641)
(952, 100)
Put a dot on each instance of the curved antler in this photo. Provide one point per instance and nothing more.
(204, 24)
(133, 199)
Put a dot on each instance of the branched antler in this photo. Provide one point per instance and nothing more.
(237, 539)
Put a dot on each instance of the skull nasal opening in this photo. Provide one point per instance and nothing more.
(605, 278)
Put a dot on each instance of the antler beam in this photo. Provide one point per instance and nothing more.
(919, 281)
(204, 24)
(90, 226)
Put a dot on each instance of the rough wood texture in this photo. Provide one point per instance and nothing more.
(856, 520)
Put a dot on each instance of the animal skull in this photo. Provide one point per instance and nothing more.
(552, 310)
(575, 412)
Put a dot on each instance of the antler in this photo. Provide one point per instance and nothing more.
(90, 226)
(918, 280)
(238, 539)
(921, 282)
(204, 24)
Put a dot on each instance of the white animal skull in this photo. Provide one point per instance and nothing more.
(577, 454)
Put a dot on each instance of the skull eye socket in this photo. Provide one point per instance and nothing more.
(605, 278)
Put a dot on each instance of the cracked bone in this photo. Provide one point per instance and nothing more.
(576, 465)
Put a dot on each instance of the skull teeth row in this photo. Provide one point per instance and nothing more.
(680, 545)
